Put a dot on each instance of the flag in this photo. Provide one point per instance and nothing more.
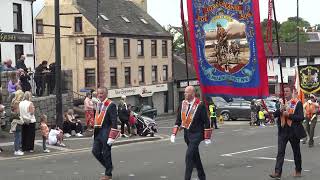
(297, 87)
(227, 48)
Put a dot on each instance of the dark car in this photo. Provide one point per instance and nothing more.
(235, 110)
(145, 110)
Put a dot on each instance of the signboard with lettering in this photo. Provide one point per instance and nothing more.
(15, 37)
(143, 91)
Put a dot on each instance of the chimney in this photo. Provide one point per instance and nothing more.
(142, 4)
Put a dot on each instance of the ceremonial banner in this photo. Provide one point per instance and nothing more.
(227, 47)
(309, 78)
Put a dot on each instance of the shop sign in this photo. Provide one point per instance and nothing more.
(191, 83)
(15, 37)
(143, 91)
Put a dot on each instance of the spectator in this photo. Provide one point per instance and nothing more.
(71, 124)
(261, 117)
(44, 132)
(123, 113)
(16, 127)
(254, 116)
(51, 78)
(21, 64)
(39, 77)
(89, 114)
(8, 66)
(56, 137)
(18, 96)
(132, 121)
(12, 85)
(2, 116)
(24, 81)
(27, 111)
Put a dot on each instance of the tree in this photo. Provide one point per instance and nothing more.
(178, 39)
(264, 25)
(288, 30)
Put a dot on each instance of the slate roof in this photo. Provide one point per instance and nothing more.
(179, 68)
(307, 49)
(113, 10)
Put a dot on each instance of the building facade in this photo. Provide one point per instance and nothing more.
(16, 32)
(135, 52)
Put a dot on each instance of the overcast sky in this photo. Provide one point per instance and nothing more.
(168, 11)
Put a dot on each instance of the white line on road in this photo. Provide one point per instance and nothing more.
(250, 150)
(236, 130)
(273, 159)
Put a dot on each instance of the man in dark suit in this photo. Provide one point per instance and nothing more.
(290, 129)
(193, 117)
(105, 131)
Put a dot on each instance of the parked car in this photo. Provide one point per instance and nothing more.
(145, 110)
(235, 110)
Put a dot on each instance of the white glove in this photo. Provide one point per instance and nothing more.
(110, 141)
(207, 141)
(173, 138)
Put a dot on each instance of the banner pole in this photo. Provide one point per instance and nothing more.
(279, 53)
(185, 36)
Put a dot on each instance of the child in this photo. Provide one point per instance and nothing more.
(16, 127)
(44, 132)
(261, 117)
(132, 122)
(56, 137)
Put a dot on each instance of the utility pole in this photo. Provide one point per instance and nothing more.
(58, 64)
(98, 55)
(298, 35)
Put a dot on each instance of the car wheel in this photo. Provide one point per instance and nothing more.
(225, 116)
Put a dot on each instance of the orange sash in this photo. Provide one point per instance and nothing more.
(291, 107)
(186, 117)
(99, 117)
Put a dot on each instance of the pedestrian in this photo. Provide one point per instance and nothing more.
(132, 122)
(105, 132)
(27, 111)
(253, 109)
(124, 113)
(193, 118)
(310, 122)
(56, 137)
(89, 113)
(39, 77)
(213, 115)
(289, 129)
(51, 78)
(44, 132)
(72, 124)
(261, 117)
(16, 127)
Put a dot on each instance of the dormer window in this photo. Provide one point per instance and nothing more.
(104, 17)
(144, 21)
(125, 19)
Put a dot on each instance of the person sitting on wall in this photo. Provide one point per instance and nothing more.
(71, 124)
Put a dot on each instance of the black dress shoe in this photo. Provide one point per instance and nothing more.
(275, 176)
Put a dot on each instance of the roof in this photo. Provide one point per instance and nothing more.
(116, 11)
(307, 49)
(313, 36)
(179, 67)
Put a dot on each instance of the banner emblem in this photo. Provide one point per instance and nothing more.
(309, 78)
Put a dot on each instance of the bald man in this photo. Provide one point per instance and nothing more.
(193, 118)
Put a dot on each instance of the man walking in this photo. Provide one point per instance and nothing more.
(310, 109)
(193, 117)
(290, 129)
(105, 132)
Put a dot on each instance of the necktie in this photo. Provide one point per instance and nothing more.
(188, 109)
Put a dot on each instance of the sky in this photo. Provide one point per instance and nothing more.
(168, 11)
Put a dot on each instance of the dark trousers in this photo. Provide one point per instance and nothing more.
(102, 152)
(309, 126)
(28, 135)
(214, 122)
(122, 126)
(44, 140)
(40, 87)
(69, 126)
(283, 139)
(193, 156)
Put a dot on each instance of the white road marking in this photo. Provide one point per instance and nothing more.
(250, 150)
(249, 166)
(273, 159)
(75, 173)
(221, 164)
(131, 175)
(236, 130)
(49, 172)
(170, 162)
(306, 170)
(163, 177)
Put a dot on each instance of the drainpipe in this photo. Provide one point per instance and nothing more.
(33, 39)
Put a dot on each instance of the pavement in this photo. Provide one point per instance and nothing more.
(238, 152)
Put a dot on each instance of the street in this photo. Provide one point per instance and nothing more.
(239, 152)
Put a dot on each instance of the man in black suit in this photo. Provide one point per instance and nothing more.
(290, 129)
(193, 117)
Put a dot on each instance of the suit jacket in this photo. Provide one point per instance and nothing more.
(110, 121)
(200, 120)
(297, 118)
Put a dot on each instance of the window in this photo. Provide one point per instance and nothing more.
(17, 17)
(165, 73)
(127, 75)
(113, 47)
(113, 76)
(90, 77)
(126, 47)
(89, 48)
(18, 52)
(125, 19)
(292, 62)
(104, 17)
(144, 21)
(153, 47)
(283, 62)
(311, 60)
(39, 26)
(140, 48)
(164, 48)
(154, 74)
(78, 24)
(141, 74)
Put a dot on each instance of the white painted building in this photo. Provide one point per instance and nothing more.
(309, 54)
(16, 31)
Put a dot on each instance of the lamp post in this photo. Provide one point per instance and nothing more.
(98, 55)
(298, 35)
